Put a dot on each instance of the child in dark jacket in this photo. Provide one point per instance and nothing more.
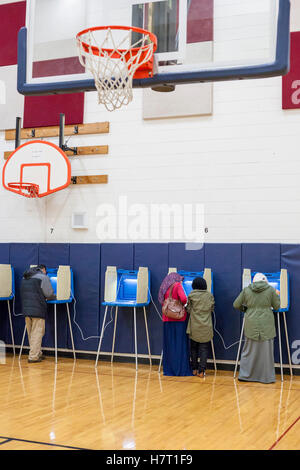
(200, 305)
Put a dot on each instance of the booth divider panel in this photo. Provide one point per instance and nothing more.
(121, 256)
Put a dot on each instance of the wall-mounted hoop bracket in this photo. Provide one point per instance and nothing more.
(62, 135)
(65, 148)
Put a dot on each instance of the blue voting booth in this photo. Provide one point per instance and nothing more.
(52, 274)
(7, 292)
(126, 293)
(126, 288)
(63, 287)
(188, 277)
(62, 281)
(280, 281)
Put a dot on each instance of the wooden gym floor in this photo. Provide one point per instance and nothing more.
(75, 406)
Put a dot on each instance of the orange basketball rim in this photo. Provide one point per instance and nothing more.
(141, 57)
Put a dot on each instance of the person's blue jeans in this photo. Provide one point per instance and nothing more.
(199, 350)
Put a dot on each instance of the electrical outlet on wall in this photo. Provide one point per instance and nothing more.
(79, 220)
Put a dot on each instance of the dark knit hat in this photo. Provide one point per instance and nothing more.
(199, 283)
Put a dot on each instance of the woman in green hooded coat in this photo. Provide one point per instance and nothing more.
(200, 305)
(258, 300)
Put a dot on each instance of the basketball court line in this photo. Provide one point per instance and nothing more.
(5, 441)
(9, 439)
(189, 380)
(284, 433)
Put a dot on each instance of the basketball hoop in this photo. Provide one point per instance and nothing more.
(26, 189)
(36, 169)
(109, 53)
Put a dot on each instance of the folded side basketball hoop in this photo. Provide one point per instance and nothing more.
(36, 169)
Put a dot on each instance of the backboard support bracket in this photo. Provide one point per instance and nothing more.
(18, 132)
(62, 135)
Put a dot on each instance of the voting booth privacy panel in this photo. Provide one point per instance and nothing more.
(62, 281)
(89, 263)
(7, 293)
(129, 288)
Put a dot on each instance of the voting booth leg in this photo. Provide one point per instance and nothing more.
(279, 341)
(213, 353)
(239, 349)
(11, 328)
(101, 335)
(135, 339)
(160, 361)
(23, 339)
(55, 333)
(114, 335)
(287, 343)
(147, 334)
(71, 333)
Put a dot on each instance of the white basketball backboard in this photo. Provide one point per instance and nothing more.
(39, 166)
(249, 39)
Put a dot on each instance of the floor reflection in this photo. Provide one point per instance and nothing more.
(116, 406)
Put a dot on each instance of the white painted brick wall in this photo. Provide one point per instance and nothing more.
(242, 163)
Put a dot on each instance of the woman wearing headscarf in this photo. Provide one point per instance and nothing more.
(200, 306)
(176, 358)
(258, 300)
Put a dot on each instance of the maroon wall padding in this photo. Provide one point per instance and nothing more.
(291, 81)
(40, 111)
(49, 68)
(12, 18)
(200, 21)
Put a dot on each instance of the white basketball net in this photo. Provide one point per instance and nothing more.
(113, 67)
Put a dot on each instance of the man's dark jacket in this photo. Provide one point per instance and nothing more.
(35, 289)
